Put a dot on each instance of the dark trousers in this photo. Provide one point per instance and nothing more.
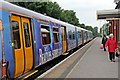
(111, 55)
(104, 47)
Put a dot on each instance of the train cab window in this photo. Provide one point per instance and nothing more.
(16, 34)
(26, 34)
(45, 33)
(56, 35)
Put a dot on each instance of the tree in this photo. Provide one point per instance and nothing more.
(95, 32)
(89, 28)
(82, 26)
(70, 17)
(51, 9)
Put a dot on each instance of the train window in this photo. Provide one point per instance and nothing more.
(26, 34)
(45, 33)
(56, 35)
(70, 35)
(73, 35)
(79, 34)
(16, 34)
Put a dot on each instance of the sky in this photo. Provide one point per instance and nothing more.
(86, 9)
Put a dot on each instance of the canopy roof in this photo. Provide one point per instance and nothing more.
(108, 14)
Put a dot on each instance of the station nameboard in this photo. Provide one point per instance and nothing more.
(108, 14)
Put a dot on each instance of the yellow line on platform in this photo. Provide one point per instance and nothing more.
(30, 74)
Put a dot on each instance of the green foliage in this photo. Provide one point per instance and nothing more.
(70, 17)
(51, 9)
(95, 32)
(82, 26)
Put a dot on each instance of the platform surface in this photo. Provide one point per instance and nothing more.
(95, 64)
(89, 62)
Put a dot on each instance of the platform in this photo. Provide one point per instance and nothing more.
(93, 64)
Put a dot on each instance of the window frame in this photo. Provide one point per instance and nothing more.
(69, 34)
(56, 33)
(46, 32)
(29, 34)
(13, 34)
(74, 37)
(80, 34)
(72, 33)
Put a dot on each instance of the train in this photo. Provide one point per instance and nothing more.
(29, 39)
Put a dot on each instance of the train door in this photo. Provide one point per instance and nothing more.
(82, 33)
(28, 49)
(64, 39)
(22, 43)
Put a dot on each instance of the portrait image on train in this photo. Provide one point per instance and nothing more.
(30, 39)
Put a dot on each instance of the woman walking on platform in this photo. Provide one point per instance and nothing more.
(104, 39)
(112, 45)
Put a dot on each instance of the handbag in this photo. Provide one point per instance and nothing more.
(117, 55)
(101, 46)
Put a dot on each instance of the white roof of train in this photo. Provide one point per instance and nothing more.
(21, 10)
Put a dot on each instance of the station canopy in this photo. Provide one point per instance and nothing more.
(108, 14)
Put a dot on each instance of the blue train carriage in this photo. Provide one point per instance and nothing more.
(84, 36)
(63, 35)
(18, 41)
(48, 40)
(89, 35)
(50, 45)
(30, 39)
(86, 32)
(79, 37)
(71, 36)
(57, 39)
(43, 33)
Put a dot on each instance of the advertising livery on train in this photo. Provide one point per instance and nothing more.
(29, 39)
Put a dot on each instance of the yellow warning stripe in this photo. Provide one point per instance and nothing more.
(30, 74)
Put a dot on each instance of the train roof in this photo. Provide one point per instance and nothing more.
(16, 9)
(20, 10)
